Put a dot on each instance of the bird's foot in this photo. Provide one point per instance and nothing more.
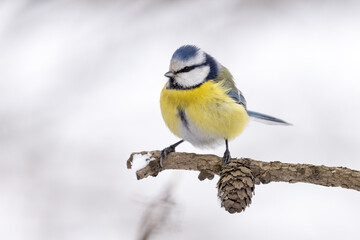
(165, 152)
(226, 158)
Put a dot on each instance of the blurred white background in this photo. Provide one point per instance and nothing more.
(79, 91)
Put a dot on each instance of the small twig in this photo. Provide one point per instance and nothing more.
(158, 213)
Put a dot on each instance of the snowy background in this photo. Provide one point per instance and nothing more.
(79, 91)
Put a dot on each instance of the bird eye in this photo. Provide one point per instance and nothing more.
(186, 69)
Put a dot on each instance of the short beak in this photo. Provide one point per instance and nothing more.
(169, 74)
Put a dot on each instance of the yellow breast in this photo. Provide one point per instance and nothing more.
(209, 112)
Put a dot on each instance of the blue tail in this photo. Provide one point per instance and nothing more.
(266, 118)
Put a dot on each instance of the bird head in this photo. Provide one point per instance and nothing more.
(190, 67)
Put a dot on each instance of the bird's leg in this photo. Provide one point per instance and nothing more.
(226, 158)
(168, 150)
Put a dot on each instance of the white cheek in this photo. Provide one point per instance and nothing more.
(194, 77)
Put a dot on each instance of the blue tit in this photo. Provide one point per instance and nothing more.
(201, 104)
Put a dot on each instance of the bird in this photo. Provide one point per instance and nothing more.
(201, 104)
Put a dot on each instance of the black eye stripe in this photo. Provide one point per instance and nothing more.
(189, 68)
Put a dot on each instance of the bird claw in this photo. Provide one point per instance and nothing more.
(226, 158)
(165, 152)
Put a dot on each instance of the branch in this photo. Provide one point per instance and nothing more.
(237, 179)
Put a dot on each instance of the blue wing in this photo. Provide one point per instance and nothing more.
(237, 96)
(260, 117)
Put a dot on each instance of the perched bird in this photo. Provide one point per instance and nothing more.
(201, 104)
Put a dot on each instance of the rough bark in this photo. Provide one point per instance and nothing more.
(238, 177)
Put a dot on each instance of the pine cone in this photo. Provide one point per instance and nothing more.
(235, 187)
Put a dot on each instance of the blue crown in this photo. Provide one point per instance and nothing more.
(185, 52)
